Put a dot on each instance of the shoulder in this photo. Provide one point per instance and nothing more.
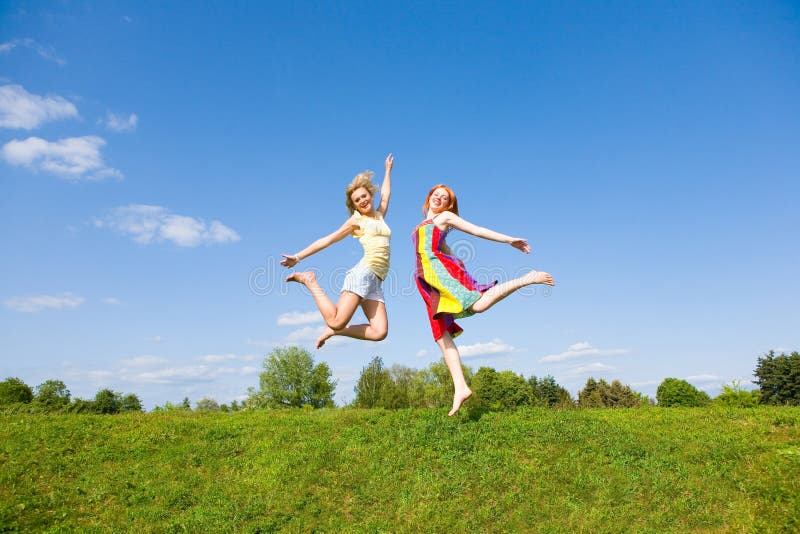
(444, 219)
(353, 223)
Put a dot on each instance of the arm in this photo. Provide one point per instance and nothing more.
(448, 218)
(386, 187)
(290, 260)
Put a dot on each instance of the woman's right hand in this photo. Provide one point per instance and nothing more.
(389, 162)
(289, 261)
(520, 244)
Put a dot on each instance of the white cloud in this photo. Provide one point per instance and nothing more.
(421, 353)
(21, 109)
(46, 53)
(478, 349)
(146, 224)
(580, 350)
(37, 303)
(75, 158)
(187, 374)
(308, 333)
(298, 318)
(111, 300)
(118, 123)
(144, 361)
(703, 378)
(592, 368)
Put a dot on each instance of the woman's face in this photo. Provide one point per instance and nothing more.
(362, 200)
(439, 200)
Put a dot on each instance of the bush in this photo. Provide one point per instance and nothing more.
(675, 392)
(51, 396)
(500, 391)
(734, 396)
(14, 390)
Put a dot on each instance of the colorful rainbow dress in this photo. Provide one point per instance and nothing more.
(444, 283)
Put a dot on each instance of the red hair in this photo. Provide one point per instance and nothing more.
(451, 206)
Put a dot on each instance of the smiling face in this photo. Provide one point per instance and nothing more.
(362, 200)
(440, 198)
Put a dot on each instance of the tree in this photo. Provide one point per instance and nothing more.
(500, 391)
(14, 390)
(398, 391)
(436, 385)
(601, 394)
(675, 392)
(547, 392)
(131, 403)
(290, 378)
(778, 378)
(371, 383)
(107, 401)
(52, 395)
(206, 405)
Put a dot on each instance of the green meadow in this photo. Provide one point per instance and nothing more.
(334, 470)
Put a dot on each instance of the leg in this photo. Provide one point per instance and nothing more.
(376, 330)
(453, 360)
(501, 291)
(335, 315)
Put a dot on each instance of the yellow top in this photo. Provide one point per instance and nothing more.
(374, 236)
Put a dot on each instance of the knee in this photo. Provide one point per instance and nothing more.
(336, 323)
(381, 333)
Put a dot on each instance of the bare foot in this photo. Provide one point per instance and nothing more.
(458, 400)
(539, 277)
(324, 337)
(305, 278)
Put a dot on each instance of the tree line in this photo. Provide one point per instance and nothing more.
(53, 396)
(291, 378)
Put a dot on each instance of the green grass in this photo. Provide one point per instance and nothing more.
(646, 470)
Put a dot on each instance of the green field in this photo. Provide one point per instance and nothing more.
(536, 470)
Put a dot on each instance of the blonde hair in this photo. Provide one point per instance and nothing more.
(451, 206)
(364, 180)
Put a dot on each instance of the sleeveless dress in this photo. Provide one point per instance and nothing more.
(443, 282)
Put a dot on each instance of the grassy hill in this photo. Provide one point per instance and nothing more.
(634, 470)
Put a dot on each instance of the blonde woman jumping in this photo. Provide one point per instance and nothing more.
(363, 283)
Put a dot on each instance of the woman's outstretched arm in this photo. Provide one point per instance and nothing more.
(386, 187)
(448, 218)
(290, 260)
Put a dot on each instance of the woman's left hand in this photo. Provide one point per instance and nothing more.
(521, 244)
(389, 162)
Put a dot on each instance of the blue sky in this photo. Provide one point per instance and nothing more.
(156, 158)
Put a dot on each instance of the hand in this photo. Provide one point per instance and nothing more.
(289, 261)
(389, 162)
(521, 244)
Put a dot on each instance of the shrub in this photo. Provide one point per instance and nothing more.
(676, 392)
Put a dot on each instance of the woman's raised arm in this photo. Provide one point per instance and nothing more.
(448, 218)
(386, 186)
(290, 260)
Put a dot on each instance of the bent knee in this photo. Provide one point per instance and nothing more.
(337, 324)
(381, 333)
